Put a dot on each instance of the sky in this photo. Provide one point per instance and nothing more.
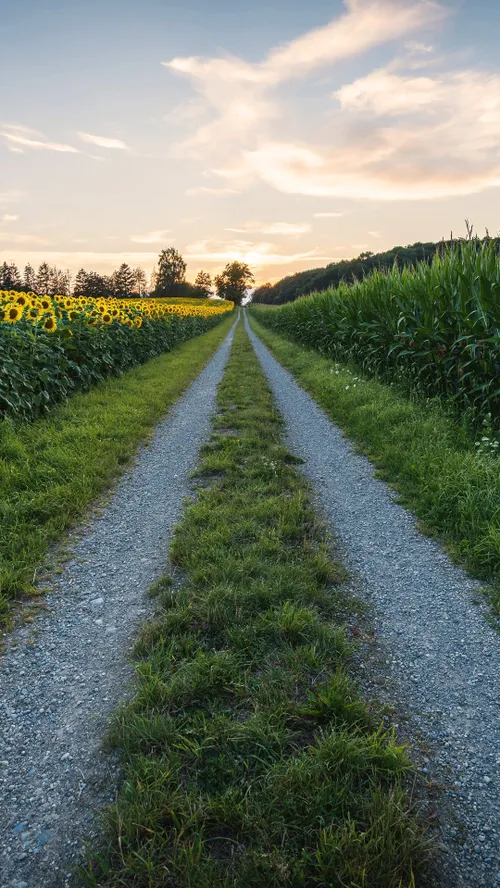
(280, 133)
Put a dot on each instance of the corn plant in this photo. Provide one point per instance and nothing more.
(435, 328)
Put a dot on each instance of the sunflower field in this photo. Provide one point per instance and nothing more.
(434, 329)
(54, 346)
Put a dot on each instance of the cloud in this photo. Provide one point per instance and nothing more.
(236, 94)
(104, 141)
(288, 229)
(328, 215)
(151, 237)
(7, 217)
(254, 254)
(205, 189)
(9, 197)
(20, 137)
(394, 134)
(19, 239)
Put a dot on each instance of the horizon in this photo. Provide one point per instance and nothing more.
(283, 137)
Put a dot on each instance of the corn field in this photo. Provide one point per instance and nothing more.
(434, 328)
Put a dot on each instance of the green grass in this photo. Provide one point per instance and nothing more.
(249, 757)
(427, 457)
(53, 469)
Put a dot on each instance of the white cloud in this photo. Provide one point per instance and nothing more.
(9, 197)
(103, 141)
(375, 234)
(7, 217)
(393, 135)
(20, 137)
(151, 237)
(19, 239)
(236, 93)
(288, 229)
(328, 215)
(254, 254)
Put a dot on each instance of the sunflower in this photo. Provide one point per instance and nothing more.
(13, 313)
(21, 299)
(138, 322)
(106, 318)
(33, 313)
(50, 324)
(45, 302)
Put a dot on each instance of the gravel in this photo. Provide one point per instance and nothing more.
(442, 656)
(64, 674)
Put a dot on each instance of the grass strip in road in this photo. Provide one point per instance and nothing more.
(250, 760)
(53, 469)
(417, 447)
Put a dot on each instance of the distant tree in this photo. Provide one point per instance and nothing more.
(79, 285)
(234, 282)
(98, 285)
(10, 279)
(65, 282)
(170, 273)
(92, 284)
(139, 282)
(263, 293)
(43, 279)
(203, 283)
(122, 281)
(153, 280)
(29, 278)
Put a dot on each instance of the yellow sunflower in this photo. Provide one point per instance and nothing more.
(50, 324)
(13, 313)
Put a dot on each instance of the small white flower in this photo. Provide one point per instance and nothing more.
(347, 388)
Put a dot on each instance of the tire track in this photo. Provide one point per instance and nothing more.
(64, 675)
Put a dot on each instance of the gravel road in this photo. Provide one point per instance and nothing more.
(63, 675)
(443, 657)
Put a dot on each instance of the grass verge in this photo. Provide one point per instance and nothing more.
(418, 448)
(53, 469)
(250, 760)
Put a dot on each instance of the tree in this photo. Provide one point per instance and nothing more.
(29, 278)
(79, 286)
(92, 284)
(234, 282)
(139, 282)
(43, 279)
(203, 283)
(122, 281)
(10, 279)
(171, 271)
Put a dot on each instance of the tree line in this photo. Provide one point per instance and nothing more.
(168, 279)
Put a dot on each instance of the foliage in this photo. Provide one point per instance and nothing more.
(53, 347)
(170, 273)
(435, 329)
(448, 481)
(346, 271)
(52, 470)
(203, 284)
(234, 282)
(250, 758)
